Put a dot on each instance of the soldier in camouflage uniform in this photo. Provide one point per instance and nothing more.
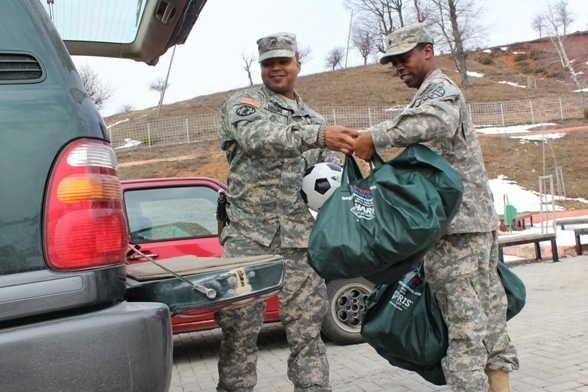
(270, 138)
(461, 267)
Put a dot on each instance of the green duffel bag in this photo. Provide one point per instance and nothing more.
(403, 323)
(379, 227)
(514, 289)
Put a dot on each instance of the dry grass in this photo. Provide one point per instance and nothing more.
(374, 85)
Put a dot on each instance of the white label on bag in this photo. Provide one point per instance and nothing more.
(399, 298)
(364, 203)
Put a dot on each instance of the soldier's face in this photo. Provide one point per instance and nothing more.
(414, 66)
(279, 75)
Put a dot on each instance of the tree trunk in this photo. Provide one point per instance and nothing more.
(459, 55)
(565, 61)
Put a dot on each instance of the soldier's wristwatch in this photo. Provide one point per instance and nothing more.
(320, 138)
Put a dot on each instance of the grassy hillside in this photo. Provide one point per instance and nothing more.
(375, 85)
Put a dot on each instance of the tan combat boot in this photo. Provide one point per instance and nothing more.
(498, 380)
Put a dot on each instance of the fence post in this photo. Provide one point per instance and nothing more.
(334, 117)
(370, 116)
(559, 181)
(561, 109)
(470, 113)
(502, 114)
(187, 131)
(149, 134)
(532, 115)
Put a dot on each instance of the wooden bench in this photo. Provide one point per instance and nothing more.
(577, 233)
(578, 220)
(518, 222)
(513, 240)
(520, 218)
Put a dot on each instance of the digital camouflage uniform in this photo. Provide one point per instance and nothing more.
(461, 267)
(269, 145)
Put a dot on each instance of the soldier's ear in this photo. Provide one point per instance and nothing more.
(429, 51)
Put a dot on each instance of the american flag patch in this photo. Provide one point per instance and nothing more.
(250, 101)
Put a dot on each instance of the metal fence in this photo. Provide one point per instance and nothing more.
(179, 130)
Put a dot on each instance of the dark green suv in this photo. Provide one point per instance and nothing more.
(64, 321)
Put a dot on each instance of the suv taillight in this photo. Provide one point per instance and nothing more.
(84, 222)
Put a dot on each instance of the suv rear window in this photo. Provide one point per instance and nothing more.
(114, 21)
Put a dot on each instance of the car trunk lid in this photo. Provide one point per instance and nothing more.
(187, 283)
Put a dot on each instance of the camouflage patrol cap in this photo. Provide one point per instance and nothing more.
(405, 39)
(277, 45)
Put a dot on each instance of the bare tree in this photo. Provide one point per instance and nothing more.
(368, 23)
(335, 57)
(388, 13)
(304, 53)
(247, 61)
(158, 85)
(421, 10)
(99, 92)
(125, 108)
(364, 41)
(378, 17)
(459, 54)
(458, 26)
(558, 18)
(538, 24)
(563, 15)
(381, 17)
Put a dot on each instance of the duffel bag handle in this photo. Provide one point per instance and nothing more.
(351, 172)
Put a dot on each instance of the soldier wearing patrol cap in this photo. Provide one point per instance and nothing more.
(270, 138)
(404, 40)
(277, 45)
(462, 267)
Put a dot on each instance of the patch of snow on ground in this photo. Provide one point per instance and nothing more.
(511, 129)
(475, 74)
(512, 84)
(544, 137)
(129, 143)
(508, 191)
(529, 201)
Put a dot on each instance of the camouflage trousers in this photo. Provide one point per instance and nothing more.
(303, 304)
(462, 271)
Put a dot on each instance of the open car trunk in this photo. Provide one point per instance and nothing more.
(188, 283)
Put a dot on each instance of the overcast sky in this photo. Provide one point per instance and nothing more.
(210, 61)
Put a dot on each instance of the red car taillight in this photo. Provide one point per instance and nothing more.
(84, 222)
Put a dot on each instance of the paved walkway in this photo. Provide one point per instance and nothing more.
(551, 336)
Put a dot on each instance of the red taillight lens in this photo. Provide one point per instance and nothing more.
(84, 223)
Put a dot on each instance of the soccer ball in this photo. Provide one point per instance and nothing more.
(319, 183)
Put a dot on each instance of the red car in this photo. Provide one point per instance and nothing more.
(169, 217)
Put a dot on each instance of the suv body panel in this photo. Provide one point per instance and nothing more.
(61, 330)
(125, 347)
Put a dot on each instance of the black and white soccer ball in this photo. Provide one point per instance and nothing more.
(319, 183)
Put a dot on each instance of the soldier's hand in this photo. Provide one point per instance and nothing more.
(340, 138)
(364, 146)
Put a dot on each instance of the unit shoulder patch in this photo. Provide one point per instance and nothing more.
(245, 111)
(432, 91)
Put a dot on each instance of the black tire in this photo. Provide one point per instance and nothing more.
(342, 323)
